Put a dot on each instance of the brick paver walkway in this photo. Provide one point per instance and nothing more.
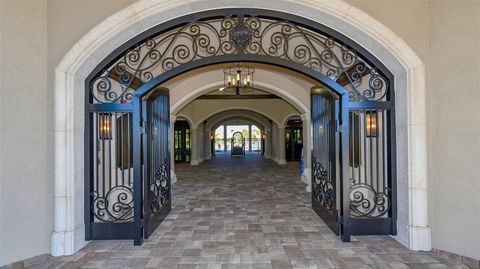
(245, 213)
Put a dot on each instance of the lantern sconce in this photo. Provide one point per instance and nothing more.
(105, 126)
(371, 122)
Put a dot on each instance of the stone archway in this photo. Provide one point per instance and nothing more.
(70, 74)
(261, 121)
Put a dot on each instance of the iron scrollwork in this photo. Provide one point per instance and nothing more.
(322, 187)
(115, 206)
(231, 35)
(366, 202)
(159, 191)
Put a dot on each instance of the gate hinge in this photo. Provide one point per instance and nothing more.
(142, 127)
(338, 126)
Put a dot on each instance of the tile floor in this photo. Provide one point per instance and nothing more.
(245, 213)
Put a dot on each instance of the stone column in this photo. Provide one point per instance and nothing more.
(208, 144)
(250, 138)
(281, 145)
(171, 140)
(273, 143)
(268, 146)
(194, 150)
(225, 138)
(307, 156)
(200, 144)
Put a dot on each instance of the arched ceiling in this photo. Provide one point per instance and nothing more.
(289, 85)
(216, 120)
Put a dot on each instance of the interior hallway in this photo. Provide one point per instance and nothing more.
(244, 213)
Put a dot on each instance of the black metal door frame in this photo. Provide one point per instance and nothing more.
(134, 230)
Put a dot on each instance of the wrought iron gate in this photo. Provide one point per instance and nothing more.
(157, 189)
(328, 114)
(125, 199)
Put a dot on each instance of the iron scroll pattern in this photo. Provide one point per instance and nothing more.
(159, 192)
(366, 202)
(230, 35)
(322, 187)
(115, 206)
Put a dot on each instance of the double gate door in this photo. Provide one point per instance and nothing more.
(353, 169)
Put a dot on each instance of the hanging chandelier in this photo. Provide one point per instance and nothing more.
(238, 79)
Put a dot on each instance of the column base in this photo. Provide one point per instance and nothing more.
(420, 238)
(307, 178)
(68, 242)
(173, 177)
(282, 161)
(194, 162)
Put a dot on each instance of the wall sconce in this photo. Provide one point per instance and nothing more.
(264, 136)
(105, 126)
(371, 122)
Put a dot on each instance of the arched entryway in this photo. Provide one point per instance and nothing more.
(164, 78)
(128, 78)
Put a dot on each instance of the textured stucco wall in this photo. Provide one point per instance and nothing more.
(454, 125)
(25, 183)
(26, 112)
(443, 33)
(446, 36)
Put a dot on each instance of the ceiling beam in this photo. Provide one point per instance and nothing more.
(343, 80)
(244, 96)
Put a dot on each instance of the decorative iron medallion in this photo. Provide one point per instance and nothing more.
(322, 187)
(159, 188)
(241, 35)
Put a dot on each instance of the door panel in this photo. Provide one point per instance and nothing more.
(325, 197)
(157, 189)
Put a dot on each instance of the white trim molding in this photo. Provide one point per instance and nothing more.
(413, 228)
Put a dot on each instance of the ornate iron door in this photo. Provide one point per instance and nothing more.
(326, 200)
(157, 189)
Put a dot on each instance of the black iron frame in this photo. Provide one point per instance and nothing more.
(134, 230)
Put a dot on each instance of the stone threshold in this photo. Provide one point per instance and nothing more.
(27, 262)
(453, 258)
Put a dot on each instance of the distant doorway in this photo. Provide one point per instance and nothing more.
(293, 140)
(183, 142)
(223, 138)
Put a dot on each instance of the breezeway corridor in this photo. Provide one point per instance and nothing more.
(244, 212)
